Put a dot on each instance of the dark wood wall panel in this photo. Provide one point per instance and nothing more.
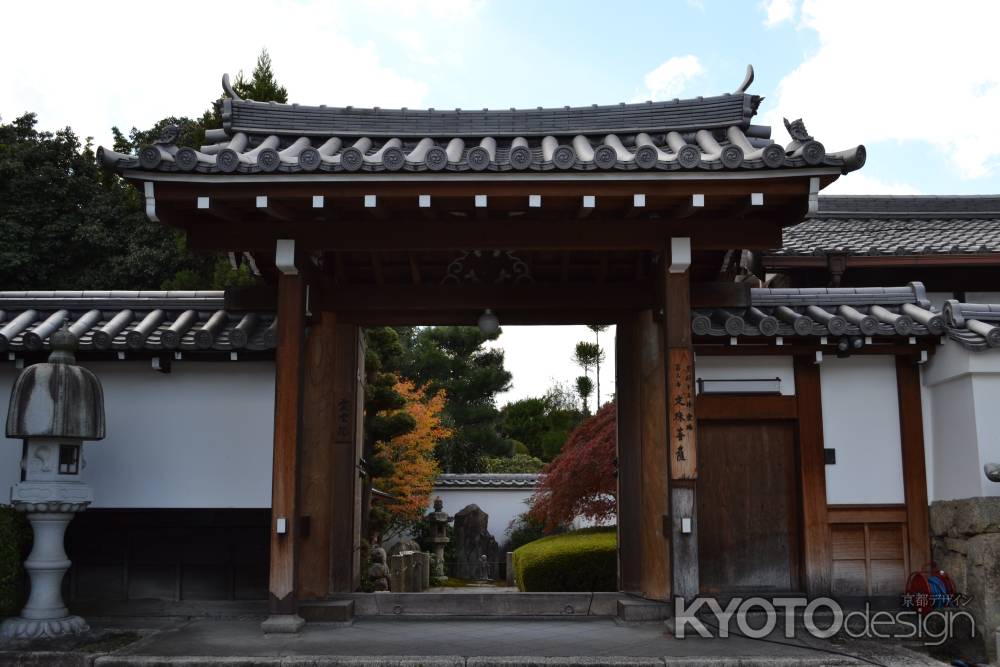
(748, 504)
(868, 550)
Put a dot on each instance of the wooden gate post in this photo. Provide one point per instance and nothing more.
(282, 604)
(682, 429)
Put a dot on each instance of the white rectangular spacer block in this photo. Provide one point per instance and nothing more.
(732, 341)
(371, 201)
(281, 525)
(822, 340)
(698, 201)
(261, 201)
(638, 201)
(589, 201)
(779, 341)
(424, 201)
(284, 257)
(480, 201)
(534, 201)
(319, 201)
(121, 355)
(868, 340)
(202, 202)
(819, 357)
(686, 525)
(680, 254)
(756, 198)
(234, 356)
(178, 356)
(912, 340)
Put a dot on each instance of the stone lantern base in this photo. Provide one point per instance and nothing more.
(45, 616)
(44, 628)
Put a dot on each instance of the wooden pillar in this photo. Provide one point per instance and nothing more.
(911, 430)
(812, 476)
(629, 457)
(643, 475)
(681, 421)
(347, 396)
(287, 415)
(316, 484)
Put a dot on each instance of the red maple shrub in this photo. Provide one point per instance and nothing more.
(580, 481)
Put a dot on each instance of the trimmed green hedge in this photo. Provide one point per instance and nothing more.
(582, 560)
(15, 539)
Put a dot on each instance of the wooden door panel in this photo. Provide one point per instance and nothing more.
(748, 506)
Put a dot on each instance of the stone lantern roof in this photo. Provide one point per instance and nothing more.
(57, 399)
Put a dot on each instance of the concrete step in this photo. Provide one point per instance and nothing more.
(464, 605)
(636, 610)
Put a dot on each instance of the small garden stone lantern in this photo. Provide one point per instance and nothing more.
(54, 407)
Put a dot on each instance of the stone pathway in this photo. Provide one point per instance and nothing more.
(460, 643)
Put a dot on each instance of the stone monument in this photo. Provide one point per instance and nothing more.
(473, 540)
(439, 538)
(54, 407)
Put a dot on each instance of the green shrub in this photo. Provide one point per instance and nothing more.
(582, 560)
(15, 540)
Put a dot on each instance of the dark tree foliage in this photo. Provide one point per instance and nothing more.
(454, 359)
(541, 424)
(66, 224)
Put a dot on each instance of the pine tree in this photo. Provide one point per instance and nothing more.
(262, 86)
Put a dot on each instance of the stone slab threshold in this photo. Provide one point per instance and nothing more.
(469, 605)
(41, 659)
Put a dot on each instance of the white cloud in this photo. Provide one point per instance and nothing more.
(131, 63)
(778, 11)
(900, 70)
(859, 183)
(669, 79)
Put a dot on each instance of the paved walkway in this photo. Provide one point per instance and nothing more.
(456, 642)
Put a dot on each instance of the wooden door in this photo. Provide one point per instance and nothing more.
(748, 499)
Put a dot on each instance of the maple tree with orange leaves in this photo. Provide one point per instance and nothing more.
(408, 459)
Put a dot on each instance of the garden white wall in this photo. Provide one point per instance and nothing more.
(198, 437)
(861, 421)
(502, 505)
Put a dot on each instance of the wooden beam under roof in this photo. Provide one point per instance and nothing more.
(410, 235)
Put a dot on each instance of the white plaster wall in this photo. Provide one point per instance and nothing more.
(964, 389)
(747, 368)
(937, 299)
(198, 437)
(502, 505)
(986, 393)
(927, 412)
(861, 421)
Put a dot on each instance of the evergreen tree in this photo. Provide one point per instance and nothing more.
(262, 86)
(454, 359)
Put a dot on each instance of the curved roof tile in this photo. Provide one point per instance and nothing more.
(705, 133)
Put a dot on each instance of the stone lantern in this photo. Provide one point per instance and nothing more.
(439, 538)
(54, 407)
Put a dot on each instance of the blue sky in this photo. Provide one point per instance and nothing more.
(917, 82)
